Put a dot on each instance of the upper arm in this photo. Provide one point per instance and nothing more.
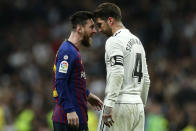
(114, 50)
(64, 64)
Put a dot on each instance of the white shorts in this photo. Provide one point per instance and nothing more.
(127, 117)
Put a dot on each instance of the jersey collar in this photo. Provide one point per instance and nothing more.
(119, 31)
(73, 45)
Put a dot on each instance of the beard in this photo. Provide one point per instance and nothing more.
(108, 31)
(87, 40)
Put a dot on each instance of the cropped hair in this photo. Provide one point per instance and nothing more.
(80, 18)
(106, 10)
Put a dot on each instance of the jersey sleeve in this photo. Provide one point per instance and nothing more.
(146, 84)
(64, 65)
(87, 92)
(114, 50)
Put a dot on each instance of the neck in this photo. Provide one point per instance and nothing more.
(117, 26)
(75, 38)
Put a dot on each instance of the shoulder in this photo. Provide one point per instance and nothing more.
(65, 46)
(66, 50)
(113, 41)
(120, 36)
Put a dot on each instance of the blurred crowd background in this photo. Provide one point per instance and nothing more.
(32, 30)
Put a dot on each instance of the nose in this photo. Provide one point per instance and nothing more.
(94, 30)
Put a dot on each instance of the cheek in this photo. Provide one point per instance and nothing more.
(103, 27)
(88, 33)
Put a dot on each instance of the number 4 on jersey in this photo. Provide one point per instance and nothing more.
(137, 72)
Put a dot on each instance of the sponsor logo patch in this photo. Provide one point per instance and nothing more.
(63, 67)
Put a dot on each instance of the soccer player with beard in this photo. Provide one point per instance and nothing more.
(127, 74)
(69, 90)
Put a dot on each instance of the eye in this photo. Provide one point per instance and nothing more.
(92, 26)
(99, 25)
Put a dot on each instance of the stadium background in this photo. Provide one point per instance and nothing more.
(32, 30)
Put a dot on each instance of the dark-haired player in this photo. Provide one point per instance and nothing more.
(127, 75)
(69, 90)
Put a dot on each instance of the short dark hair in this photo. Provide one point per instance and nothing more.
(106, 10)
(80, 17)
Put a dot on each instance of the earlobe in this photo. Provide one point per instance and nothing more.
(79, 28)
(110, 20)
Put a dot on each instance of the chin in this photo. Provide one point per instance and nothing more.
(108, 34)
(87, 42)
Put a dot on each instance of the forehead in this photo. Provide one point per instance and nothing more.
(89, 22)
(99, 20)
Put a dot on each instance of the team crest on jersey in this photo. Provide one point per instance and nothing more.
(63, 67)
(65, 57)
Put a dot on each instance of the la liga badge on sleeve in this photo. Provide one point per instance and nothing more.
(63, 67)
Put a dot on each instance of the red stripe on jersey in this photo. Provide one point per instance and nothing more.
(54, 113)
(83, 101)
(64, 117)
(78, 94)
(62, 113)
(58, 113)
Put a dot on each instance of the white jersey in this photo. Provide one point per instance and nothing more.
(127, 74)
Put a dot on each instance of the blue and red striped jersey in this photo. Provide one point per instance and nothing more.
(69, 89)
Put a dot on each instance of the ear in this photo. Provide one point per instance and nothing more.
(110, 20)
(79, 28)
